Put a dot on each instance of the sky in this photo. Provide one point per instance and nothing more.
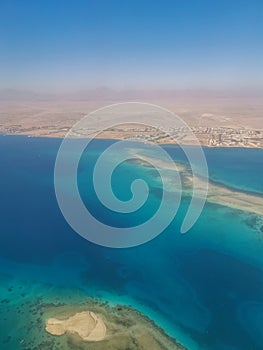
(63, 45)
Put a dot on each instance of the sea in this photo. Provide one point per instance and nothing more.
(204, 288)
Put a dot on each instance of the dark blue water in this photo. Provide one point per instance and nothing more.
(205, 287)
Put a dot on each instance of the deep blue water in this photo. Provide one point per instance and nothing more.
(204, 288)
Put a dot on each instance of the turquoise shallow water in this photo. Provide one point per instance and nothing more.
(205, 288)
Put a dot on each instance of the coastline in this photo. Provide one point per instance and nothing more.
(61, 137)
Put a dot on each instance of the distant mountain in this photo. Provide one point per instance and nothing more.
(21, 95)
(109, 94)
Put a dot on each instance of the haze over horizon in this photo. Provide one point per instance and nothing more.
(70, 47)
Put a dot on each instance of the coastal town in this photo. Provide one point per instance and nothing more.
(207, 136)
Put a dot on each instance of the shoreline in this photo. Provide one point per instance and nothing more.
(139, 141)
(125, 325)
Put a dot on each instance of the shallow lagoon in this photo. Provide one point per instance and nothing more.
(205, 288)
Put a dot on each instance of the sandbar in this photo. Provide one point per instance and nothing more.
(218, 193)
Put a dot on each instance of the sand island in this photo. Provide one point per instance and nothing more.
(88, 325)
(98, 326)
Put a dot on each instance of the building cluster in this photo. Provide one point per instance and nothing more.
(235, 137)
(209, 136)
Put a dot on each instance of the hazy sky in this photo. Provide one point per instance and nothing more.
(71, 45)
